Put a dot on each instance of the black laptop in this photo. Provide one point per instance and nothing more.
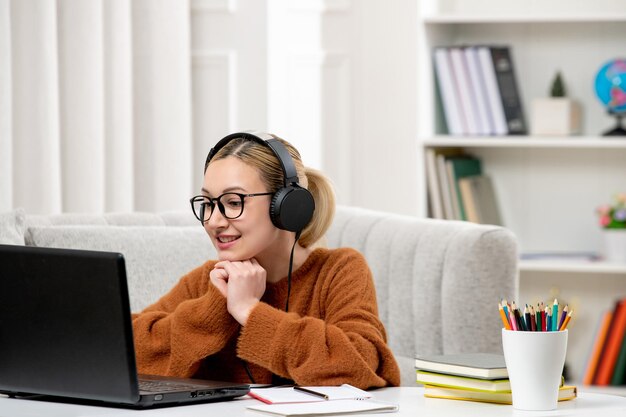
(65, 332)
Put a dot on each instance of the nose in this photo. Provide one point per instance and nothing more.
(216, 221)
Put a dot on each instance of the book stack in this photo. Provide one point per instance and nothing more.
(478, 90)
(470, 377)
(606, 364)
(458, 189)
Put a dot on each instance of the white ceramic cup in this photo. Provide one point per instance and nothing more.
(534, 361)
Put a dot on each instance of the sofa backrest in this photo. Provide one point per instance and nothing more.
(158, 248)
(437, 282)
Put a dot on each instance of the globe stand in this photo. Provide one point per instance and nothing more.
(618, 130)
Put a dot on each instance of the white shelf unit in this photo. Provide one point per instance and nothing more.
(582, 267)
(617, 390)
(548, 188)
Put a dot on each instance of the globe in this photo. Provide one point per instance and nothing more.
(610, 85)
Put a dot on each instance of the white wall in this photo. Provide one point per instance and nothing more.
(229, 72)
(112, 105)
(342, 88)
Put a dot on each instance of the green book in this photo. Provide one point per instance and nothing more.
(619, 373)
(461, 167)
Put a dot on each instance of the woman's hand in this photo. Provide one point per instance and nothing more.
(243, 285)
(219, 278)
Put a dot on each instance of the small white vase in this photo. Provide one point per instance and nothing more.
(615, 245)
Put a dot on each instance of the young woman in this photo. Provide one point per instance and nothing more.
(246, 317)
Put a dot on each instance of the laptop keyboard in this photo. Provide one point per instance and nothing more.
(165, 386)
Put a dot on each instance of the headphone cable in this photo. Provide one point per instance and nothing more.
(290, 267)
(245, 364)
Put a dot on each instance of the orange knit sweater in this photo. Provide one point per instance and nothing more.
(330, 336)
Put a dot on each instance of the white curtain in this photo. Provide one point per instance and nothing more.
(95, 105)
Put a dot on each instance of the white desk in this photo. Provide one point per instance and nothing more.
(411, 400)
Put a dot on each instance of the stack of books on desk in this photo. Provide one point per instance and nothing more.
(471, 377)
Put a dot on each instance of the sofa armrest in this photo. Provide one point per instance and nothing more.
(437, 282)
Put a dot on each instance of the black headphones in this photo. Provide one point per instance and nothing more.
(292, 206)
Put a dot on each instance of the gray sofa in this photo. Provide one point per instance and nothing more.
(438, 282)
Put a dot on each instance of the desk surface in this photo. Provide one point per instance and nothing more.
(411, 400)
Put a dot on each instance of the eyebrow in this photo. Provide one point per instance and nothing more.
(226, 190)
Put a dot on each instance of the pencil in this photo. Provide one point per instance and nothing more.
(543, 318)
(513, 321)
(538, 313)
(548, 319)
(311, 392)
(555, 315)
(503, 317)
(527, 318)
(505, 307)
(518, 319)
(567, 319)
(563, 314)
(533, 324)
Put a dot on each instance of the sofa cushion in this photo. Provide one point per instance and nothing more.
(133, 219)
(428, 274)
(12, 227)
(156, 256)
(65, 219)
(179, 218)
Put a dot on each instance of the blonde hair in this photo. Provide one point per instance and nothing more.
(263, 159)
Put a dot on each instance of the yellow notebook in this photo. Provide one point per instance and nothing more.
(566, 392)
(453, 381)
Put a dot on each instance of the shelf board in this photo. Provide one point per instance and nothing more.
(610, 390)
(447, 19)
(570, 142)
(590, 267)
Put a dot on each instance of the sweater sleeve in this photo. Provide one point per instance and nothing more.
(347, 346)
(189, 323)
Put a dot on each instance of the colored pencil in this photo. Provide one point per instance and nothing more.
(533, 324)
(503, 317)
(513, 321)
(567, 319)
(527, 319)
(555, 315)
(563, 314)
(518, 319)
(505, 307)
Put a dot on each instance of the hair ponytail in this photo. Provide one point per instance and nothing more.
(321, 189)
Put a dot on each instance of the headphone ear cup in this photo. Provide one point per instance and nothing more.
(292, 208)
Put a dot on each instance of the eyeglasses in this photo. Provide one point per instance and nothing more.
(229, 204)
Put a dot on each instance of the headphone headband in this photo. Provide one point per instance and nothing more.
(290, 175)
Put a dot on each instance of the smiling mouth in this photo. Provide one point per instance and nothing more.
(227, 239)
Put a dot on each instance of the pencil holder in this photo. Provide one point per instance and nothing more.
(534, 361)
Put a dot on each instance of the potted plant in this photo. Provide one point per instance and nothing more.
(556, 115)
(613, 221)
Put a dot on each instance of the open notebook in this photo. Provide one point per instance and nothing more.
(288, 395)
(326, 408)
(322, 400)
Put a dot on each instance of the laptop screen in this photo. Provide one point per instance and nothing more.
(65, 324)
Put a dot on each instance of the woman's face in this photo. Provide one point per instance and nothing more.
(250, 235)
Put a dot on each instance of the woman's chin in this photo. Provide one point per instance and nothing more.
(231, 256)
